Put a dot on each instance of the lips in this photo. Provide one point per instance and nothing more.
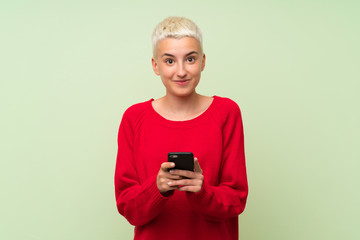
(185, 80)
(181, 82)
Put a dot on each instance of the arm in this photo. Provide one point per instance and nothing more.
(138, 202)
(228, 199)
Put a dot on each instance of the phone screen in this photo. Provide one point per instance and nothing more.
(182, 160)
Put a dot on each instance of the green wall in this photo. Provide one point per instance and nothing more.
(69, 69)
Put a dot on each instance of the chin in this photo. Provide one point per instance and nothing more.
(183, 94)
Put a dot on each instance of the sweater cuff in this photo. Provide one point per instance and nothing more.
(155, 196)
(202, 196)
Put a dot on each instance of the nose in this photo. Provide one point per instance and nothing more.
(181, 71)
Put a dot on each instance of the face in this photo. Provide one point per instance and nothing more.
(179, 63)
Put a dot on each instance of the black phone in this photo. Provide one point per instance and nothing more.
(182, 160)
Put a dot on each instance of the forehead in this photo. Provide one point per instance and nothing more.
(179, 47)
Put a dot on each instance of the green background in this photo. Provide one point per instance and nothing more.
(69, 69)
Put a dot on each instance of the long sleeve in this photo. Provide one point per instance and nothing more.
(138, 202)
(228, 199)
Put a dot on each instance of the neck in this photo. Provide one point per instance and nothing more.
(181, 105)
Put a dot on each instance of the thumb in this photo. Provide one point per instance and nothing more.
(197, 167)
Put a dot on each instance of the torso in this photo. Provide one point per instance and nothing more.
(153, 137)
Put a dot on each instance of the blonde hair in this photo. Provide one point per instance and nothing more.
(175, 27)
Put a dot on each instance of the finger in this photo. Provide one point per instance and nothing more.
(183, 173)
(187, 174)
(166, 165)
(197, 167)
(193, 189)
(186, 182)
(164, 185)
(165, 188)
(168, 175)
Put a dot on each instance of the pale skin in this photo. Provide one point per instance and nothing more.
(179, 63)
(181, 180)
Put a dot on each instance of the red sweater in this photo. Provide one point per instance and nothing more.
(216, 139)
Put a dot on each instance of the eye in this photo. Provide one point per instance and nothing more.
(190, 59)
(169, 61)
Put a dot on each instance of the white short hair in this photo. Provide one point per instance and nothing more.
(175, 27)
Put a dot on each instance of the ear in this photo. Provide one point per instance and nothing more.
(155, 66)
(203, 62)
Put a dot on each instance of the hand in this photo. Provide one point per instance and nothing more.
(164, 177)
(188, 181)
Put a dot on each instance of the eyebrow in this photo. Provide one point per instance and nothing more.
(170, 55)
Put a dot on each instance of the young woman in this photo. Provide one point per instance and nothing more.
(180, 204)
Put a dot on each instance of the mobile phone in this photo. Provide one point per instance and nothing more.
(182, 160)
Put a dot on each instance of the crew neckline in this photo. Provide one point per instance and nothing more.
(184, 122)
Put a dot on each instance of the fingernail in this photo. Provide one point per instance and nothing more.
(169, 183)
(172, 164)
(171, 171)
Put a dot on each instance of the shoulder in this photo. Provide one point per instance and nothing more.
(136, 111)
(226, 105)
(227, 111)
(137, 107)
